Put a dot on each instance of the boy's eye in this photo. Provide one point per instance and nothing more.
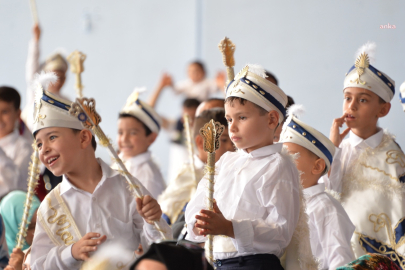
(39, 145)
(363, 100)
(242, 117)
(347, 98)
(228, 120)
(52, 137)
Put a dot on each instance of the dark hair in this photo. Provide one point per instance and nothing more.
(217, 114)
(191, 103)
(93, 139)
(9, 94)
(242, 101)
(270, 76)
(215, 99)
(199, 64)
(148, 131)
(289, 102)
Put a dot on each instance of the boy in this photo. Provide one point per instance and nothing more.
(369, 167)
(256, 188)
(92, 204)
(15, 150)
(181, 189)
(330, 226)
(138, 127)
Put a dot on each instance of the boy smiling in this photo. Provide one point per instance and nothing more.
(80, 214)
(369, 167)
(257, 188)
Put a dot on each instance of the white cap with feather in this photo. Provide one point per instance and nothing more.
(50, 110)
(362, 74)
(296, 131)
(402, 95)
(251, 84)
(142, 111)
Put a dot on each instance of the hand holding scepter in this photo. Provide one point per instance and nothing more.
(211, 132)
(85, 110)
(76, 60)
(227, 48)
(33, 176)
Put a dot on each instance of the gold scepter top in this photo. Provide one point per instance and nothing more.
(211, 132)
(76, 60)
(227, 48)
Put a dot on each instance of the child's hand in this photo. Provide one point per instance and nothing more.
(81, 249)
(37, 32)
(16, 260)
(148, 208)
(335, 136)
(213, 222)
(166, 80)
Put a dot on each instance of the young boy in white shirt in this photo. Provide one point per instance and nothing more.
(92, 204)
(256, 188)
(330, 227)
(15, 150)
(138, 128)
(369, 167)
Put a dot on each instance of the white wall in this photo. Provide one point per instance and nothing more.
(309, 45)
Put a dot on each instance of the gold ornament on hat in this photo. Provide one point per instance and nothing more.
(211, 132)
(76, 60)
(227, 48)
(362, 62)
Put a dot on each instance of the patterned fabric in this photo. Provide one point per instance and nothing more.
(371, 261)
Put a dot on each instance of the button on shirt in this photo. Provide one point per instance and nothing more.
(110, 210)
(259, 193)
(15, 155)
(349, 151)
(147, 172)
(330, 228)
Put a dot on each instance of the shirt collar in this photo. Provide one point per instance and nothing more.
(139, 159)
(373, 141)
(314, 190)
(9, 139)
(264, 151)
(107, 173)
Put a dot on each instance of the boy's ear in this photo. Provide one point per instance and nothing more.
(152, 137)
(273, 119)
(384, 109)
(319, 167)
(19, 113)
(199, 143)
(85, 138)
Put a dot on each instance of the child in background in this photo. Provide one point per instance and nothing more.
(330, 227)
(368, 168)
(15, 150)
(138, 128)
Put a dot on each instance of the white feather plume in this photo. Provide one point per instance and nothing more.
(369, 48)
(140, 89)
(257, 69)
(296, 110)
(41, 82)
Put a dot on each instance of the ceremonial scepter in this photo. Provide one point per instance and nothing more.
(227, 48)
(211, 132)
(76, 60)
(85, 110)
(190, 146)
(33, 176)
(34, 12)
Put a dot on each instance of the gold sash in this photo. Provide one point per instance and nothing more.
(57, 220)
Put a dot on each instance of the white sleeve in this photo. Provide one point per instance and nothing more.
(280, 198)
(334, 233)
(9, 174)
(45, 255)
(334, 181)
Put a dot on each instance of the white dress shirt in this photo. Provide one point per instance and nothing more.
(147, 172)
(110, 210)
(15, 155)
(330, 228)
(201, 90)
(348, 151)
(259, 193)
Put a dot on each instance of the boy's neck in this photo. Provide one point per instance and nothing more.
(87, 175)
(129, 157)
(310, 183)
(366, 132)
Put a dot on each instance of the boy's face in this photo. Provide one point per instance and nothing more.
(305, 163)
(195, 73)
(8, 116)
(58, 149)
(248, 129)
(225, 145)
(132, 139)
(362, 108)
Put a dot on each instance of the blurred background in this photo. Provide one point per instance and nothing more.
(308, 45)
